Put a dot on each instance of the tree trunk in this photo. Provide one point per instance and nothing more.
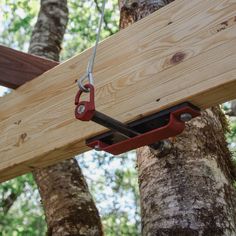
(68, 205)
(187, 189)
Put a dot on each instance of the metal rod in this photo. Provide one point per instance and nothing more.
(114, 125)
(119, 127)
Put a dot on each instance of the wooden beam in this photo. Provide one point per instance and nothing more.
(184, 52)
(16, 68)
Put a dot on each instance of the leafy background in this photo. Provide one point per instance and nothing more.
(112, 180)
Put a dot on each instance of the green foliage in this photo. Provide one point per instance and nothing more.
(17, 21)
(119, 225)
(232, 138)
(20, 210)
(83, 22)
(232, 135)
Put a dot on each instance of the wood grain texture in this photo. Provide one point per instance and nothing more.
(184, 52)
(16, 68)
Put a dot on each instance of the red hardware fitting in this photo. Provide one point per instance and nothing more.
(174, 127)
(85, 109)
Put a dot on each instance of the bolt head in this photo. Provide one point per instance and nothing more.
(185, 117)
(81, 109)
(97, 148)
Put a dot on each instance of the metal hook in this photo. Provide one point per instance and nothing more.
(80, 82)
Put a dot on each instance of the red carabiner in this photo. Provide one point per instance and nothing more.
(85, 109)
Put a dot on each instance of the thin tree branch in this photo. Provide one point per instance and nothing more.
(8, 202)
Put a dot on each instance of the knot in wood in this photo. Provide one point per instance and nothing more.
(178, 57)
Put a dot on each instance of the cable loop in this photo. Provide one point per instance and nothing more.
(81, 83)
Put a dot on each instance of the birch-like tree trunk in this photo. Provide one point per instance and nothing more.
(185, 190)
(68, 205)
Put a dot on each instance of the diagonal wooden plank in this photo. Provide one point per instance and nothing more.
(184, 52)
(16, 68)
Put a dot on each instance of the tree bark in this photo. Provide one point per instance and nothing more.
(68, 205)
(187, 189)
